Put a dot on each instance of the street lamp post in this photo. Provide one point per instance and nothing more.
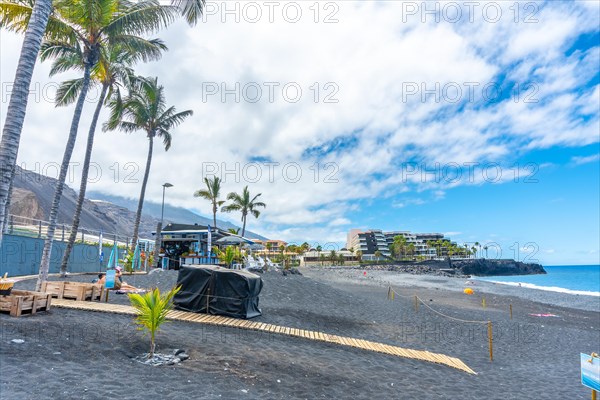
(162, 209)
(158, 241)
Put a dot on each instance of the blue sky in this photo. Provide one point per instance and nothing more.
(556, 209)
(363, 100)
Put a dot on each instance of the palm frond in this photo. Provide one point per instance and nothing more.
(166, 137)
(151, 309)
(14, 16)
(68, 91)
(143, 17)
(231, 207)
(205, 194)
(128, 127)
(175, 119)
(135, 48)
(191, 10)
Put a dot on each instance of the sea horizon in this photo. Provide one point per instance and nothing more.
(570, 279)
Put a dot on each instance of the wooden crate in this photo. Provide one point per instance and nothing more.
(23, 302)
(79, 291)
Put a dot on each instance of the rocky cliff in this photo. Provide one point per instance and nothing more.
(483, 267)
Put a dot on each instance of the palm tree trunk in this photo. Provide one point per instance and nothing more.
(45, 263)
(244, 225)
(215, 216)
(17, 106)
(138, 215)
(83, 184)
(7, 206)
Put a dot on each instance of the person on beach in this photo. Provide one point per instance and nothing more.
(122, 284)
(102, 280)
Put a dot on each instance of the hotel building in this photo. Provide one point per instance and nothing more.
(370, 241)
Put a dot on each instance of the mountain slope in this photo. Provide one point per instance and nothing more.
(172, 213)
(33, 194)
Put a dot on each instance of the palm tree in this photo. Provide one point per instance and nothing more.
(112, 71)
(145, 109)
(438, 247)
(477, 246)
(34, 27)
(377, 254)
(86, 27)
(151, 310)
(36, 22)
(244, 204)
(234, 231)
(411, 250)
(359, 255)
(305, 247)
(332, 257)
(227, 256)
(212, 194)
(486, 249)
(399, 246)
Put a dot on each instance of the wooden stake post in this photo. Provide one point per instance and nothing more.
(491, 340)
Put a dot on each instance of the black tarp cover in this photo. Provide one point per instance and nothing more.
(229, 292)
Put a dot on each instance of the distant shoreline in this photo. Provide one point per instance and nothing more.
(454, 284)
(556, 289)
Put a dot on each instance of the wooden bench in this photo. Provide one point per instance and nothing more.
(79, 291)
(23, 302)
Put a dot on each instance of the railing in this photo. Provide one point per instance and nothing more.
(31, 227)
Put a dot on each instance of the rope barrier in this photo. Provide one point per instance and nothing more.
(418, 299)
(447, 316)
(392, 293)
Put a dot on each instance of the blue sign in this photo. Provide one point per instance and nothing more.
(590, 371)
(111, 275)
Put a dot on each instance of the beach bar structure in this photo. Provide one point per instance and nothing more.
(187, 244)
(183, 244)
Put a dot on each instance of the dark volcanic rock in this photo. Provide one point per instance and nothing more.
(484, 267)
(459, 268)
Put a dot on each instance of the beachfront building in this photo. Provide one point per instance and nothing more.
(270, 246)
(327, 257)
(432, 240)
(422, 249)
(374, 240)
(371, 243)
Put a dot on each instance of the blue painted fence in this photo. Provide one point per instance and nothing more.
(21, 255)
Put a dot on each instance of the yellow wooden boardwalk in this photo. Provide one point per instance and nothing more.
(177, 315)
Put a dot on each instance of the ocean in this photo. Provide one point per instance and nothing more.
(573, 279)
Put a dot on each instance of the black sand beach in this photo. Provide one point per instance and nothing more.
(70, 354)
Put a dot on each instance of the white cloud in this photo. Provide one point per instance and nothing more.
(375, 124)
(585, 159)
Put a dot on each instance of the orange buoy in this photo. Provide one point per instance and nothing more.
(468, 291)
